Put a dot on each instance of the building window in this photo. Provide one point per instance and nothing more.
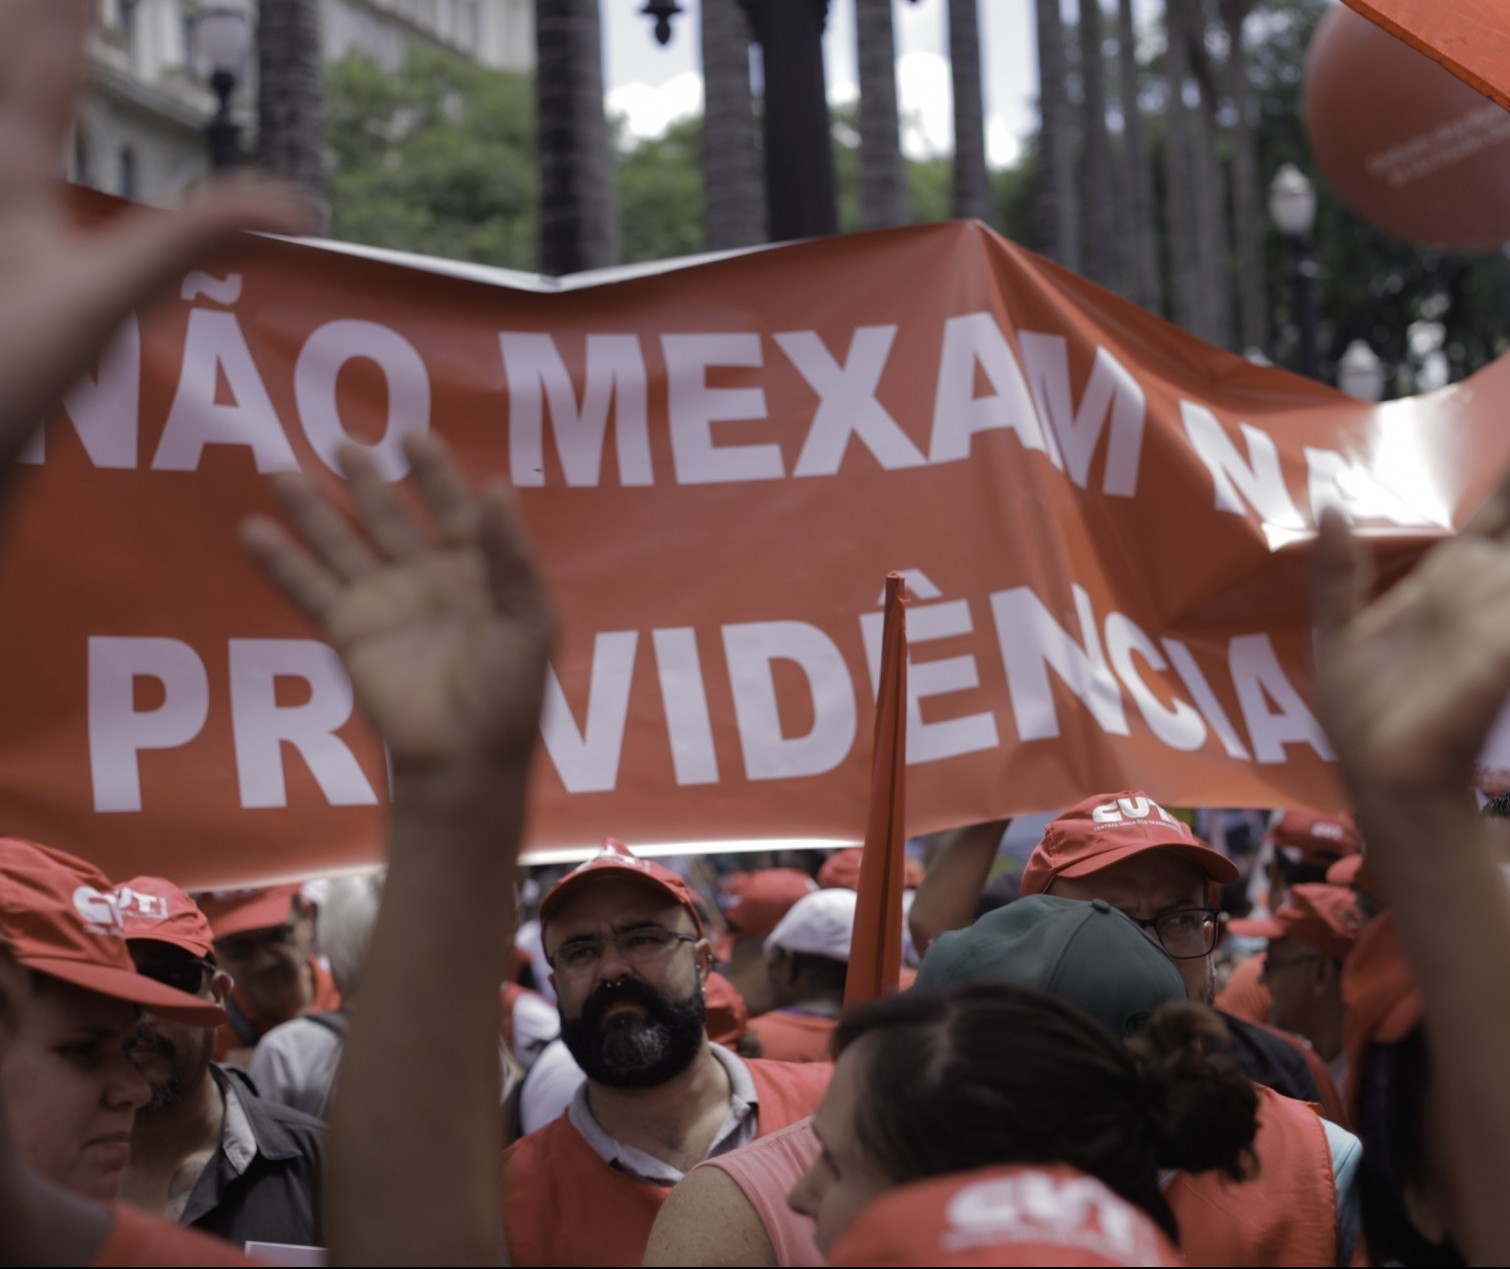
(82, 172)
(127, 182)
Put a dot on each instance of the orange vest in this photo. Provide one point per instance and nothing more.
(1286, 1215)
(563, 1205)
(794, 1037)
(508, 999)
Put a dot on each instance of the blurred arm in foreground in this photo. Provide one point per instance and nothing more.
(445, 634)
(1409, 685)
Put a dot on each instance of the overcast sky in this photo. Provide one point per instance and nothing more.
(654, 86)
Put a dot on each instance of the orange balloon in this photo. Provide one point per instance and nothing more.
(1406, 144)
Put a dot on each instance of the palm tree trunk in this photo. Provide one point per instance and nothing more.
(972, 186)
(290, 104)
(883, 177)
(734, 197)
(1247, 218)
(1140, 267)
(1098, 244)
(578, 208)
(1182, 269)
(1210, 184)
(1057, 212)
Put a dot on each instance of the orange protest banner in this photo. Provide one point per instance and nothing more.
(1469, 37)
(875, 961)
(1102, 521)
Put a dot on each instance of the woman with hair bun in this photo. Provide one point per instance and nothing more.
(928, 1085)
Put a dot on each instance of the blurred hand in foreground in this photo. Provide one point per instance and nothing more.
(64, 290)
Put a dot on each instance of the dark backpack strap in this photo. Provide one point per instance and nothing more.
(240, 1024)
(333, 1020)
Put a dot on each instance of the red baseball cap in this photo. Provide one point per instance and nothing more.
(728, 1015)
(1353, 870)
(614, 857)
(1381, 1002)
(1110, 827)
(237, 911)
(762, 898)
(154, 908)
(1304, 837)
(841, 871)
(1022, 1214)
(1321, 916)
(60, 917)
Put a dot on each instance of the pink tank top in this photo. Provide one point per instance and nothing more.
(765, 1171)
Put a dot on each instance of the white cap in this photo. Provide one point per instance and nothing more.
(818, 924)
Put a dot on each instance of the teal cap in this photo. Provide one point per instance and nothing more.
(1086, 954)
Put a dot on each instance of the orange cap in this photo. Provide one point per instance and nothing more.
(1304, 837)
(237, 911)
(841, 871)
(762, 898)
(154, 908)
(1110, 827)
(1322, 916)
(728, 1015)
(615, 857)
(1026, 1214)
(1353, 870)
(1380, 1000)
(60, 917)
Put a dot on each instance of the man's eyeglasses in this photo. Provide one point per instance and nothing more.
(1185, 933)
(643, 945)
(187, 974)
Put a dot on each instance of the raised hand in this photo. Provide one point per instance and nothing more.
(1410, 683)
(445, 639)
(64, 290)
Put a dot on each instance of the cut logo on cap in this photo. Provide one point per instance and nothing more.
(1036, 1208)
(1124, 809)
(151, 907)
(100, 912)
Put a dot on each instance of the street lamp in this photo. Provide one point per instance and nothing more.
(1292, 205)
(223, 36)
(1360, 373)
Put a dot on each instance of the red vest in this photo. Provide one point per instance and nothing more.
(563, 1205)
(794, 1037)
(1286, 1215)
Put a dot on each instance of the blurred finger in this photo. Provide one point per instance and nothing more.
(387, 520)
(1492, 519)
(41, 74)
(1342, 574)
(443, 489)
(325, 531)
(513, 572)
(311, 587)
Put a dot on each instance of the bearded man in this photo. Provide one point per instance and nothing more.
(629, 961)
(206, 1151)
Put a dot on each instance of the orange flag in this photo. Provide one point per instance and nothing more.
(1471, 38)
(875, 958)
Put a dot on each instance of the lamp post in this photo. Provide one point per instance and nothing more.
(799, 157)
(1360, 373)
(222, 35)
(1292, 205)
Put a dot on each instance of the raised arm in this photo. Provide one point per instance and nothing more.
(1410, 684)
(63, 290)
(956, 876)
(445, 631)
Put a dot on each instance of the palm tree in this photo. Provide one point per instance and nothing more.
(290, 109)
(734, 197)
(972, 186)
(1210, 188)
(1184, 301)
(1098, 242)
(1140, 268)
(578, 209)
(1057, 211)
(883, 177)
(1247, 221)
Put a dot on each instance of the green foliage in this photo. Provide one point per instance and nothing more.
(660, 192)
(438, 157)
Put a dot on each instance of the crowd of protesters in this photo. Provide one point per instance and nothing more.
(1135, 1049)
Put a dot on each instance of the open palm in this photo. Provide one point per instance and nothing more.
(446, 636)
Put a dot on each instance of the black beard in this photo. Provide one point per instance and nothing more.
(629, 1051)
(166, 1095)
